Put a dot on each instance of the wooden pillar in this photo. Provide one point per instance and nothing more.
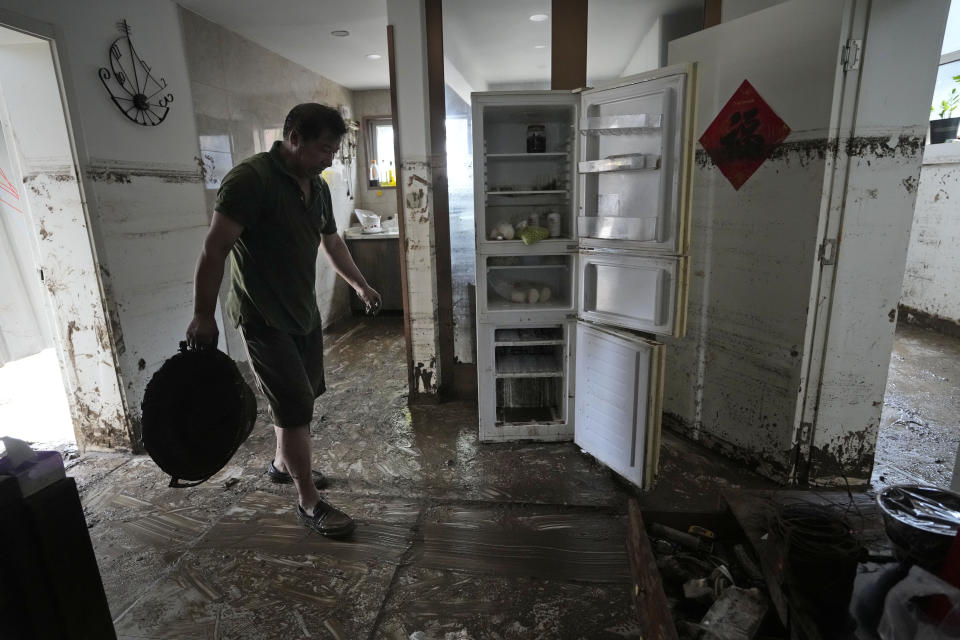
(568, 36)
(711, 13)
(436, 92)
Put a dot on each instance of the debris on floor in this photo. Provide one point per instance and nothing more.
(710, 580)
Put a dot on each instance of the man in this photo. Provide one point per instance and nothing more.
(273, 212)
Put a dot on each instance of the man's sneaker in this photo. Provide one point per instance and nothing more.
(282, 477)
(326, 520)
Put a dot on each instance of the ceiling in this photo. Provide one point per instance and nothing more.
(491, 42)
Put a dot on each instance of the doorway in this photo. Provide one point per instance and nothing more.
(919, 427)
(58, 383)
(33, 400)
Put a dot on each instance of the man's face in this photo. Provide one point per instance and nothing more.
(317, 154)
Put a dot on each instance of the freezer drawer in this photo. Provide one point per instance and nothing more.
(619, 400)
(646, 293)
(522, 374)
(525, 285)
(635, 151)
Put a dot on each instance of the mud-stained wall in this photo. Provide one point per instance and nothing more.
(241, 96)
(416, 186)
(931, 284)
(421, 272)
(145, 214)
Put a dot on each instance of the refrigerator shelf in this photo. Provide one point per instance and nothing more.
(633, 124)
(547, 336)
(525, 193)
(553, 155)
(527, 343)
(500, 267)
(506, 305)
(529, 366)
(631, 162)
(539, 416)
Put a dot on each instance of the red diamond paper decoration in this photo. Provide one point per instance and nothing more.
(743, 135)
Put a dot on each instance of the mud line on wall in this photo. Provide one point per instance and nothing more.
(817, 149)
(123, 173)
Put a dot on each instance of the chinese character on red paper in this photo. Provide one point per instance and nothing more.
(743, 135)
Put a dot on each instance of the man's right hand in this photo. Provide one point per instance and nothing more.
(202, 333)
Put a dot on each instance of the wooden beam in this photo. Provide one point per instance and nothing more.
(712, 13)
(401, 221)
(653, 612)
(436, 92)
(568, 37)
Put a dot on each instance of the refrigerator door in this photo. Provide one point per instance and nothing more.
(646, 292)
(619, 400)
(635, 154)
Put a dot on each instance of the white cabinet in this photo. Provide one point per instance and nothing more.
(565, 316)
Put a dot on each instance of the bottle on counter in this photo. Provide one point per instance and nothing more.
(374, 175)
(391, 176)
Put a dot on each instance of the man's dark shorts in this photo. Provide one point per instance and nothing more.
(289, 369)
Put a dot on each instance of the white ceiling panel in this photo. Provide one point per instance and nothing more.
(490, 42)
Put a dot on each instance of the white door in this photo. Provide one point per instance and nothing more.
(765, 229)
(619, 400)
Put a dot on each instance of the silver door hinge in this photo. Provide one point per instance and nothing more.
(852, 52)
(828, 252)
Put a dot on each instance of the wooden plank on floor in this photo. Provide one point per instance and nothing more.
(650, 601)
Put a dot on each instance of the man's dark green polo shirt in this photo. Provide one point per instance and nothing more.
(273, 265)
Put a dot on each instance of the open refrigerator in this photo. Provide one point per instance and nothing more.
(567, 325)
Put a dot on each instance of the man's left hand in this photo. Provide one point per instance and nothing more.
(371, 299)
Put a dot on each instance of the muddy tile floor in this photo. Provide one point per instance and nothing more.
(455, 540)
(920, 423)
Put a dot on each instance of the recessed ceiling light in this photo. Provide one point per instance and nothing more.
(340, 33)
(539, 46)
(373, 56)
(538, 17)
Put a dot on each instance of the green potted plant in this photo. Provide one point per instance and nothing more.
(946, 127)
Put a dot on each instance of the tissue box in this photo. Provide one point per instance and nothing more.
(35, 474)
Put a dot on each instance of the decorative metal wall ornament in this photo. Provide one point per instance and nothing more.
(131, 84)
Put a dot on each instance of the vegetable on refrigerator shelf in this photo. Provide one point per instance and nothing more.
(506, 230)
(545, 294)
(533, 295)
(533, 234)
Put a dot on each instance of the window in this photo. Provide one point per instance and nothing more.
(381, 170)
(946, 92)
(947, 87)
